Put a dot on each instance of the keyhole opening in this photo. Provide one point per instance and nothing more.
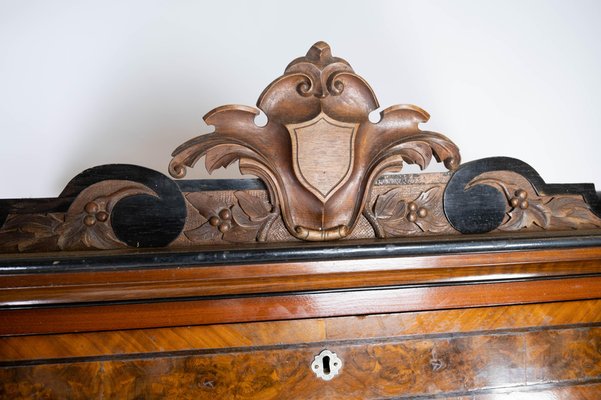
(326, 365)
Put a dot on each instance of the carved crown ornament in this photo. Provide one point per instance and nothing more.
(318, 154)
(322, 167)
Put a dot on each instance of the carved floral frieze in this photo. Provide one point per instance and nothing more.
(395, 215)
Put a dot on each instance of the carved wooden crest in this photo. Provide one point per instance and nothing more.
(321, 162)
(319, 154)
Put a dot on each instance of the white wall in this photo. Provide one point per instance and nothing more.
(87, 83)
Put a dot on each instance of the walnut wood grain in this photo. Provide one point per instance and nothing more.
(570, 391)
(563, 355)
(55, 381)
(288, 306)
(255, 335)
(482, 365)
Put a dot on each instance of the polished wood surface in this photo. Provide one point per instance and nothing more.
(293, 306)
(482, 352)
(483, 282)
(22, 289)
(265, 334)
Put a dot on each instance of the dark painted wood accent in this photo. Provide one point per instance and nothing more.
(482, 208)
(267, 253)
(139, 220)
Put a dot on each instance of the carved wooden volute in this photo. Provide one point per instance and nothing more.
(318, 154)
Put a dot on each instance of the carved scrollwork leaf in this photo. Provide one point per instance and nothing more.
(526, 209)
(204, 233)
(389, 205)
(319, 153)
(432, 218)
(255, 208)
(570, 212)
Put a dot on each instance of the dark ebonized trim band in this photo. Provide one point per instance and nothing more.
(268, 253)
(202, 185)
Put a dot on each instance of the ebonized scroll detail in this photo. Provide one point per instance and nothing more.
(506, 194)
(108, 207)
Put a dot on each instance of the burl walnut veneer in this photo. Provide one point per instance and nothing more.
(326, 278)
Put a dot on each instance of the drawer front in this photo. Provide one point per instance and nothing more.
(550, 349)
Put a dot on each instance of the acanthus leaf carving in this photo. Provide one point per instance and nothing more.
(30, 232)
(321, 190)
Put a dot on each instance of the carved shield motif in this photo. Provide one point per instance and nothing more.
(322, 153)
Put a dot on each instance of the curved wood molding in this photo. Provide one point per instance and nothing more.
(319, 154)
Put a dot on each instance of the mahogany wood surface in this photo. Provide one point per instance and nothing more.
(82, 318)
(25, 289)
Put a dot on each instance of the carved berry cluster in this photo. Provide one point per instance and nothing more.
(223, 220)
(519, 199)
(94, 214)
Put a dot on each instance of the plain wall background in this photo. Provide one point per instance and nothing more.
(87, 83)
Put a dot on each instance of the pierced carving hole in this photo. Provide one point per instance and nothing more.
(261, 119)
(375, 116)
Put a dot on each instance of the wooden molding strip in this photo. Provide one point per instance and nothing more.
(288, 306)
(254, 335)
(37, 289)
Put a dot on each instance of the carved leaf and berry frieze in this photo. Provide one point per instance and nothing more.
(86, 224)
(526, 209)
(248, 219)
(394, 214)
(505, 194)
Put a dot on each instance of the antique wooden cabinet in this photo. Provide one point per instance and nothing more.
(326, 278)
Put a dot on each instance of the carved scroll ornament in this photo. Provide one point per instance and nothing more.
(318, 154)
(321, 162)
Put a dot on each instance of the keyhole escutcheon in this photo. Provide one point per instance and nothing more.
(326, 365)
